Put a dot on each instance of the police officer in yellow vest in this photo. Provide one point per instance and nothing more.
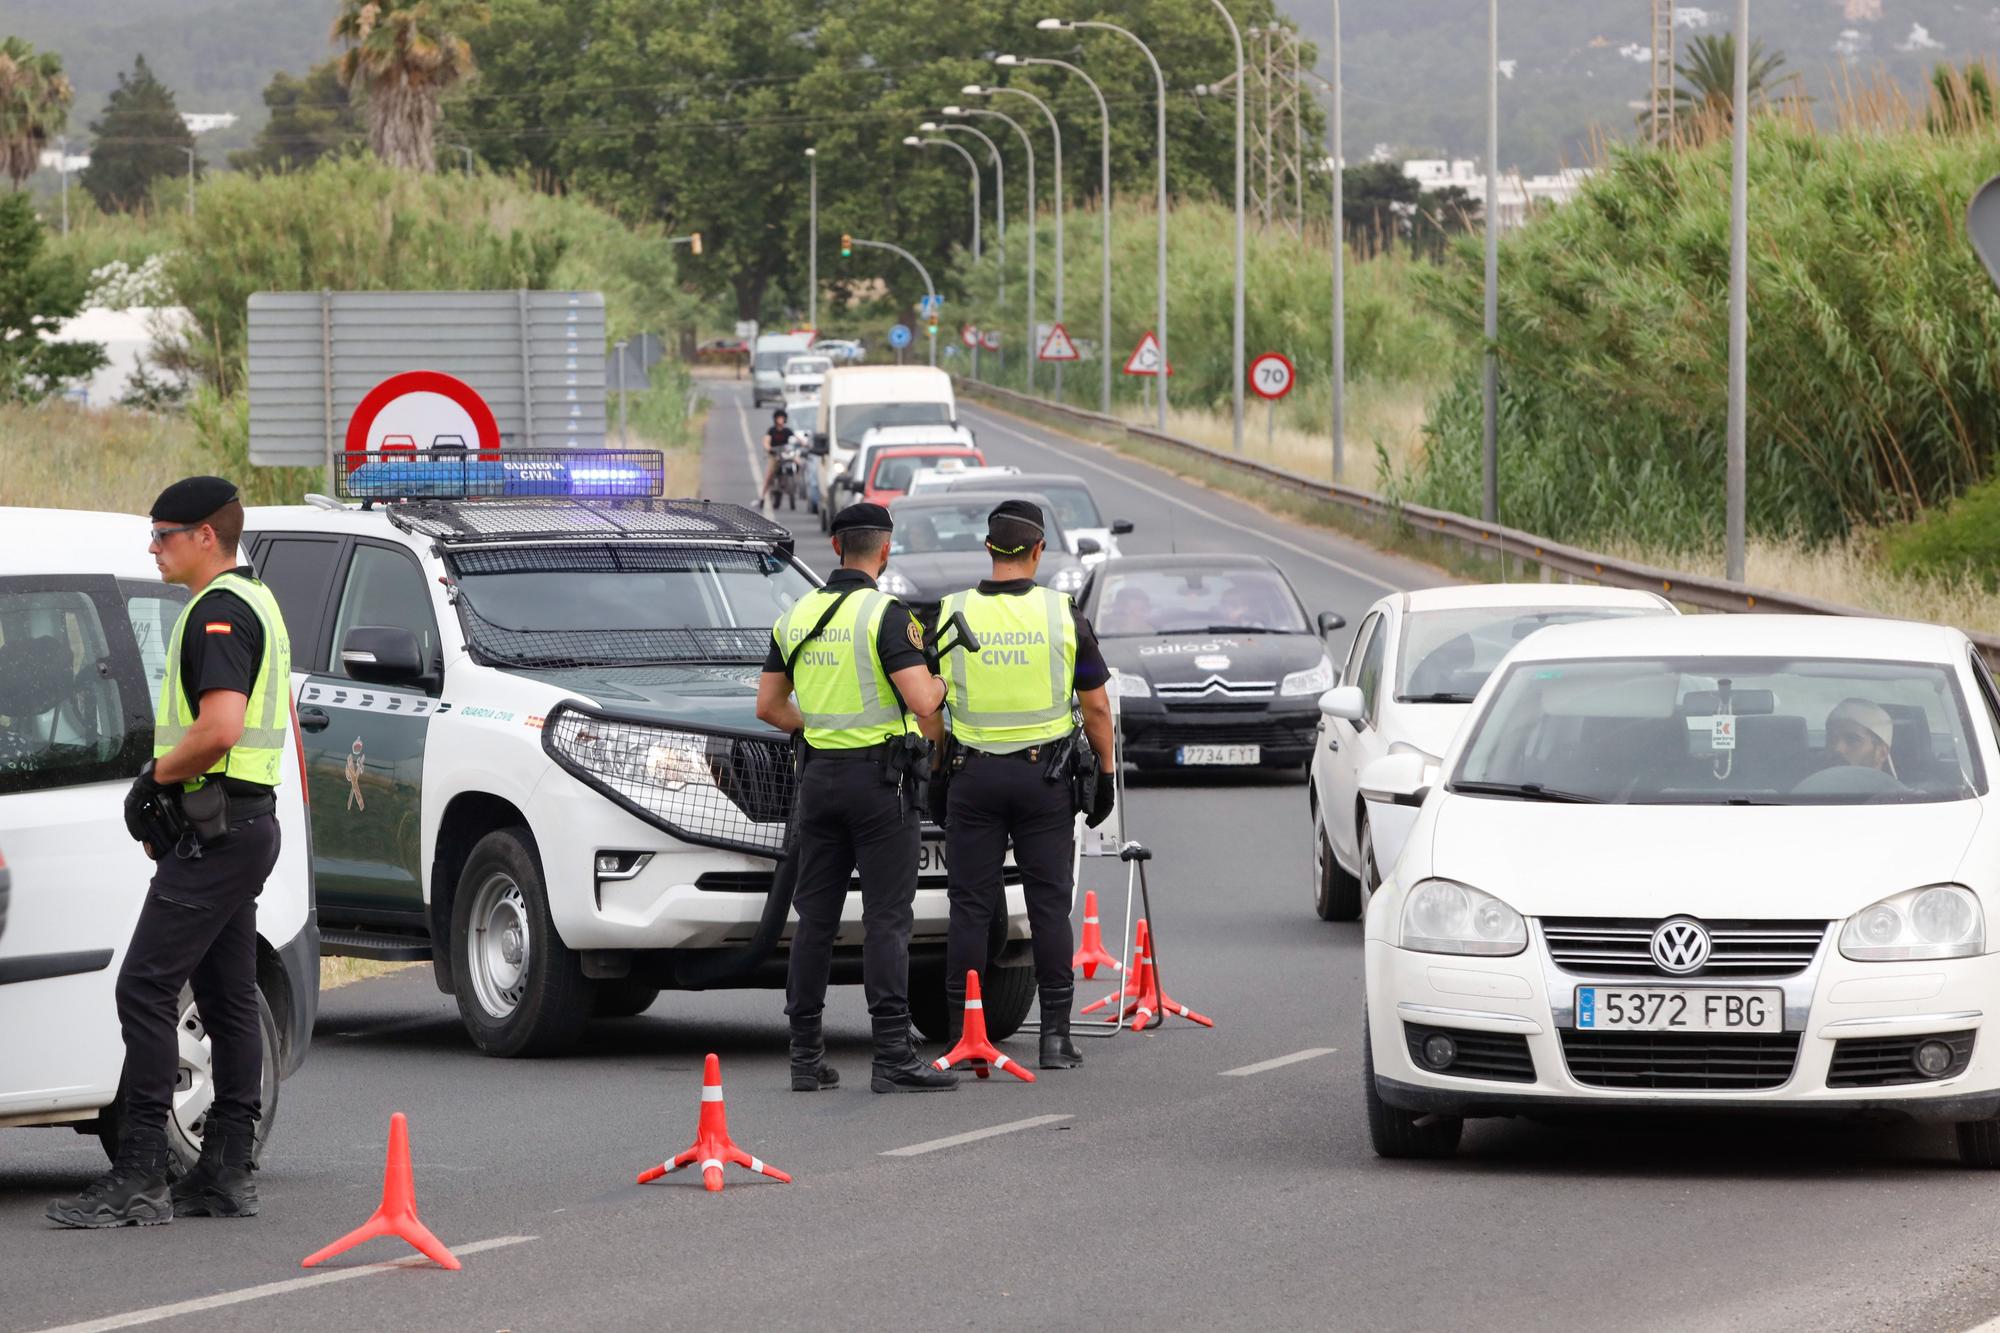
(866, 702)
(1012, 745)
(220, 731)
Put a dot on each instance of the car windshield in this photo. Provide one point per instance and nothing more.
(1175, 601)
(772, 361)
(590, 604)
(1447, 655)
(807, 365)
(857, 419)
(894, 472)
(1715, 731)
(1073, 502)
(957, 526)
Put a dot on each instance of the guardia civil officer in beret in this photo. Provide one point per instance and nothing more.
(866, 702)
(219, 738)
(1016, 769)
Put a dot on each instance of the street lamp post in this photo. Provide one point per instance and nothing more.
(1160, 134)
(999, 190)
(1339, 263)
(812, 240)
(972, 164)
(1236, 337)
(915, 263)
(1489, 504)
(62, 165)
(1104, 207)
(1028, 146)
(624, 440)
(1739, 287)
(190, 157)
(975, 90)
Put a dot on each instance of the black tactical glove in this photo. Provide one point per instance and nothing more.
(138, 800)
(1101, 802)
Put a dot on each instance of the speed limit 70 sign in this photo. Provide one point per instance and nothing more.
(1271, 375)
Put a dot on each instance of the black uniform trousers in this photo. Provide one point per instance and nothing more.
(851, 818)
(198, 927)
(995, 798)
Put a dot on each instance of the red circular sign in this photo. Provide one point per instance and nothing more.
(361, 426)
(1272, 375)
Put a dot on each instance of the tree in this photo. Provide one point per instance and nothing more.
(311, 116)
(139, 138)
(1961, 100)
(1440, 215)
(406, 54)
(36, 296)
(1376, 199)
(1708, 76)
(34, 106)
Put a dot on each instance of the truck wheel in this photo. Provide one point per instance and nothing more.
(520, 990)
(624, 998)
(1009, 993)
(194, 1088)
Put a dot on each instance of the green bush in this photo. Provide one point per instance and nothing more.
(1961, 539)
(1873, 348)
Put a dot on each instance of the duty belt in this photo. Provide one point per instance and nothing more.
(876, 753)
(1032, 755)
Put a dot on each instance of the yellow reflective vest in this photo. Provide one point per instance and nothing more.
(1015, 691)
(258, 755)
(843, 692)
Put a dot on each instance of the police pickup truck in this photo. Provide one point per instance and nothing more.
(526, 690)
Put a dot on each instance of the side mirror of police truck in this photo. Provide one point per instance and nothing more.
(1121, 527)
(382, 655)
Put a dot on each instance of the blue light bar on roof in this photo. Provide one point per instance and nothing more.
(462, 474)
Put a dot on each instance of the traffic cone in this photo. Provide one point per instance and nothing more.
(398, 1214)
(1092, 955)
(712, 1144)
(973, 1045)
(1135, 980)
(1153, 1005)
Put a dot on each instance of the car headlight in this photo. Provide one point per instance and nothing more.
(1069, 579)
(1313, 680)
(1941, 921)
(1128, 686)
(648, 756)
(1440, 916)
(895, 584)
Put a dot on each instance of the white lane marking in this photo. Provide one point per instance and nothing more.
(973, 1136)
(750, 452)
(1263, 1066)
(1193, 508)
(153, 1314)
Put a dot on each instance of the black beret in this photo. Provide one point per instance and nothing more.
(192, 499)
(862, 517)
(1021, 511)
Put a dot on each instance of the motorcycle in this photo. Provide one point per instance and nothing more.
(790, 483)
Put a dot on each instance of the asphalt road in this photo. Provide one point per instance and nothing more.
(1179, 1180)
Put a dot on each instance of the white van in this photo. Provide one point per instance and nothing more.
(767, 364)
(857, 399)
(84, 627)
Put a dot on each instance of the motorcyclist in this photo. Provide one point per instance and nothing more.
(775, 440)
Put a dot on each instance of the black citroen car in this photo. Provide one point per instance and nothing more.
(1219, 664)
(939, 548)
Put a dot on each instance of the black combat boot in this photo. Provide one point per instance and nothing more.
(220, 1184)
(897, 1068)
(133, 1192)
(810, 1071)
(1058, 1051)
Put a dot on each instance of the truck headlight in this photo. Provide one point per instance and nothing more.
(895, 584)
(1069, 579)
(1441, 916)
(1940, 921)
(627, 753)
(1313, 680)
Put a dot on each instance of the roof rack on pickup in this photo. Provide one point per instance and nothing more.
(462, 521)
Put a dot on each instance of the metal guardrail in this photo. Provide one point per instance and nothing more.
(1698, 590)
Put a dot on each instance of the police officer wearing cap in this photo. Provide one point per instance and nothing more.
(1013, 764)
(218, 742)
(866, 701)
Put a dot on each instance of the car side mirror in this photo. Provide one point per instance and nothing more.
(1344, 702)
(1089, 546)
(1329, 621)
(1403, 778)
(382, 655)
(1121, 527)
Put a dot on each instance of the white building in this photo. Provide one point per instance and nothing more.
(1518, 195)
(198, 122)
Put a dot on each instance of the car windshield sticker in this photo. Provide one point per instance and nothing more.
(1722, 732)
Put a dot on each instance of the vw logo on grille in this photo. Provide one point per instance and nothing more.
(1681, 946)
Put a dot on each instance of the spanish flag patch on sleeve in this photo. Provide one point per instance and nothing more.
(219, 627)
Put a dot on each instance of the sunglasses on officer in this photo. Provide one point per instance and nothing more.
(159, 536)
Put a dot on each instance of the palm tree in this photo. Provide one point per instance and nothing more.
(406, 54)
(34, 106)
(1708, 76)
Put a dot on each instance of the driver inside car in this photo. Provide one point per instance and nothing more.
(1858, 734)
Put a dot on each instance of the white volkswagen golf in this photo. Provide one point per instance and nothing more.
(1717, 863)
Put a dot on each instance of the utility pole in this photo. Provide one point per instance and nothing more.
(812, 240)
(1739, 285)
(1339, 264)
(1277, 140)
(1661, 115)
(1236, 332)
(1489, 506)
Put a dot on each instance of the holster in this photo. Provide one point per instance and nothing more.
(909, 765)
(159, 822)
(206, 809)
(1083, 775)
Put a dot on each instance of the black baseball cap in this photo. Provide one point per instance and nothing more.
(192, 499)
(862, 517)
(1018, 511)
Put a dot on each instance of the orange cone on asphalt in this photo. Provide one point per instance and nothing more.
(973, 1045)
(712, 1145)
(398, 1214)
(1128, 989)
(1153, 1005)
(1092, 955)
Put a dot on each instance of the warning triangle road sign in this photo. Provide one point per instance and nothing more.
(1058, 347)
(1145, 359)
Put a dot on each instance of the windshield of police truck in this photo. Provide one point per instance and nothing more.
(1716, 731)
(1447, 655)
(1189, 601)
(853, 420)
(623, 604)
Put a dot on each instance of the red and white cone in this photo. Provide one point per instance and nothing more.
(1128, 989)
(1153, 1005)
(712, 1145)
(1092, 955)
(397, 1215)
(973, 1045)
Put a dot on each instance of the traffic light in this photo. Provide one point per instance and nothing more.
(846, 245)
(696, 242)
